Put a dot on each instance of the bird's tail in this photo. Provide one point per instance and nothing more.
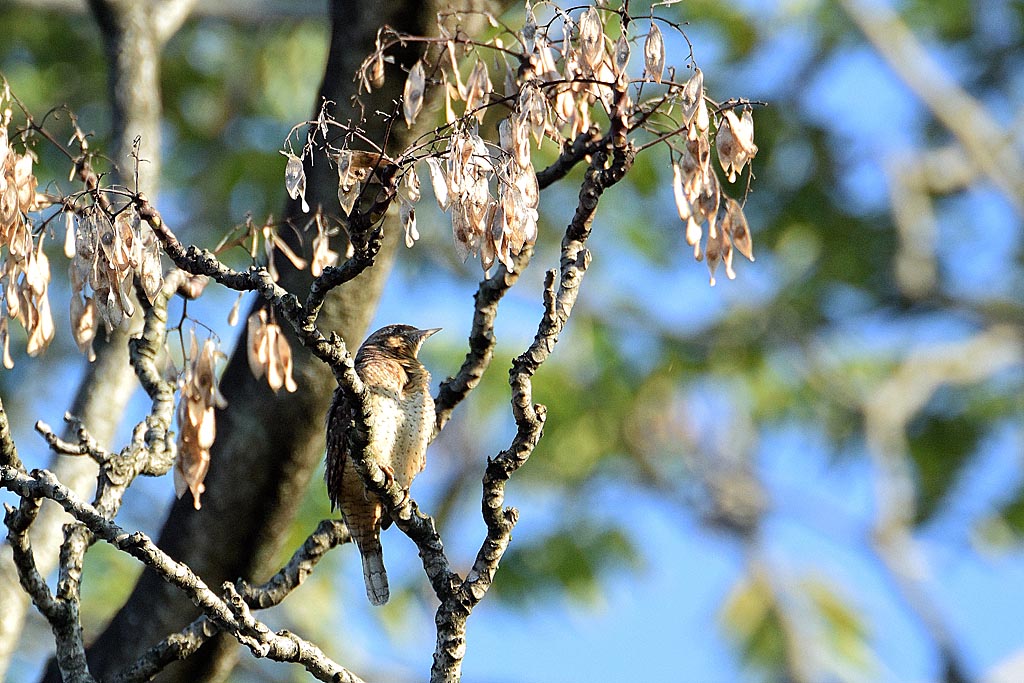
(374, 574)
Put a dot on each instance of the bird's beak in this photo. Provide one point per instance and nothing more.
(421, 335)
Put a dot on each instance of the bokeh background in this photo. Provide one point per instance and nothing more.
(812, 473)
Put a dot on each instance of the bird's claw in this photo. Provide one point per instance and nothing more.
(389, 474)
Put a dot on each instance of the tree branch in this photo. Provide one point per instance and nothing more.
(231, 615)
(177, 646)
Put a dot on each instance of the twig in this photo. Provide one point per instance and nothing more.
(481, 339)
(8, 449)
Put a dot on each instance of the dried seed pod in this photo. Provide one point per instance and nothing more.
(376, 70)
(734, 224)
(412, 98)
(295, 179)
(439, 183)
(478, 87)
(621, 55)
(654, 53)
(591, 38)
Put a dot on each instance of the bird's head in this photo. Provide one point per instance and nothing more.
(401, 342)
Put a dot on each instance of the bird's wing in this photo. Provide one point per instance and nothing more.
(338, 421)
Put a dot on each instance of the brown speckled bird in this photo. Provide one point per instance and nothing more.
(401, 420)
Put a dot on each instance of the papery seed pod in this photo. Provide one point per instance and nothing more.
(233, 314)
(409, 188)
(715, 253)
(376, 70)
(460, 88)
(84, 324)
(734, 224)
(692, 96)
(682, 205)
(197, 419)
(438, 182)
(621, 55)
(478, 87)
(256, 347)
(295, 179)
(5, 339)
(461, 233)
(693, 235)
(8, 204)
(347, 196)
(654, 53)
(546, 68)
(69, 234)
(274, 368)
(150, 270)
(591, 38)
(284, 356)
(529, 28)
(519, 133)
(407, 214)
(25, 182)
(529, 188)
(41, 329)
(412, 98)
(708, 202)
(8, 363)
(323, 255)
(701, 120)
(735, 142)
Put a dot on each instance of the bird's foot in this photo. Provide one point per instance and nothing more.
(389, 474)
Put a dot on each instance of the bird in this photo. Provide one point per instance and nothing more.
(400, 421)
